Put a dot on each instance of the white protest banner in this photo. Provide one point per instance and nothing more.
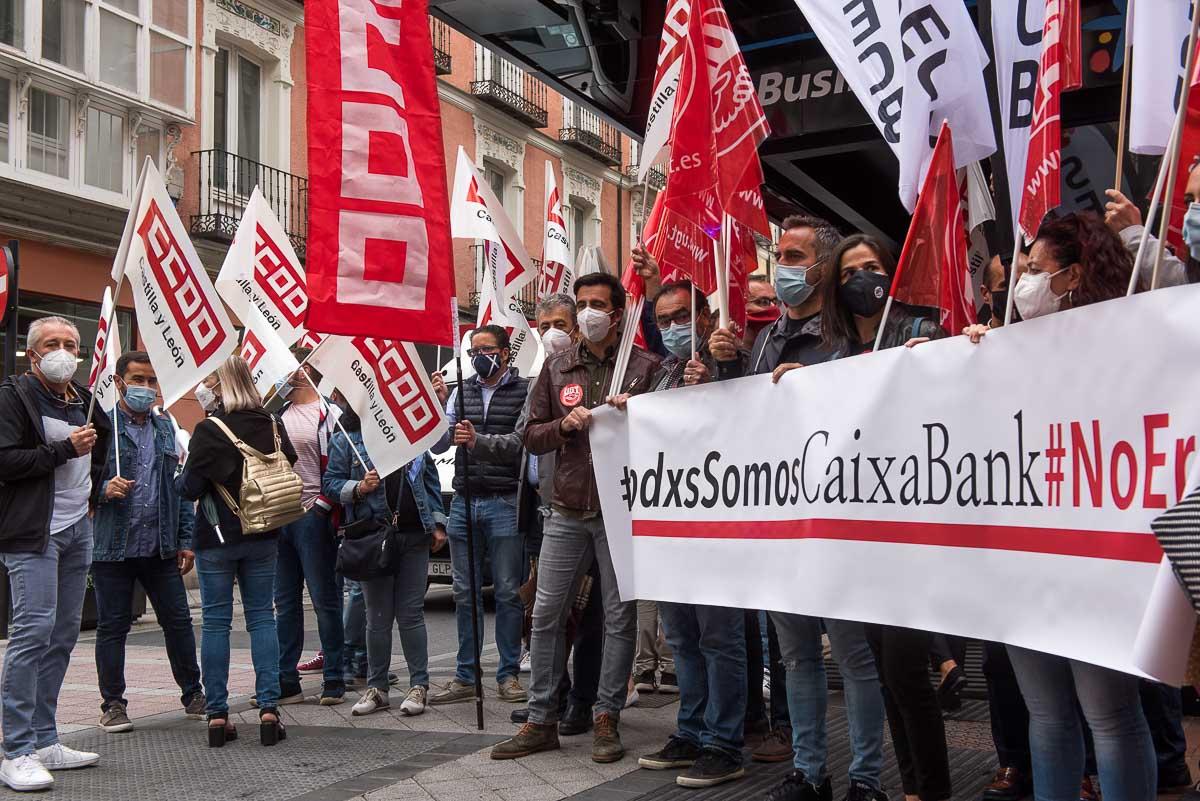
(105, 352)
(268, 358)
(388, 388)
(1002, 491)
(261, 279)
(558, 271)
(1159, 31)
(181, 318)
(1017, 43)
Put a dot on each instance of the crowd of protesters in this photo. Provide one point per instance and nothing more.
(115, 496)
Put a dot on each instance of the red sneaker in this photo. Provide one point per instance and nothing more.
(314, 665)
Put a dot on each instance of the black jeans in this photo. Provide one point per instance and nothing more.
(756, 708)
(114, 582)
(1006, 706)
(914, 718)
(1163, 707)
(588, 649)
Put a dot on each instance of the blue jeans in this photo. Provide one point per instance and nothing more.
(252, 563)
(399, 600)
(114, 583)
(807, 692)
(1125, 756)
(47, 599)
(354, 623)
(495, 529)
(307, 555)
(709, 647)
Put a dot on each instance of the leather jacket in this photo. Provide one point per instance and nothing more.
(568, 379)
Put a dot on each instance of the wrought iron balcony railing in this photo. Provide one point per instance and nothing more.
(440, 32)
(527, 296)
(226, 181)
(504, 85)
(656, 177)
(586, 132)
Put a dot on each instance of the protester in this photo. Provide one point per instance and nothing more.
(488, 438)
(854, 302)
(51, 461)
(307, 550)
(708, 641)
(143, 532)
(1076, 261)
(762, 307)
(994, 291)
(571, 384)
(224, 555)
(796, 339)
(408, 500)
(1125, 219)
(1191, 221)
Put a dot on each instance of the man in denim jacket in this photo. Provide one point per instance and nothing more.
(143, 533)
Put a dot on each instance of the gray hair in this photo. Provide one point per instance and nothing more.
(552, 302)
(38, 326)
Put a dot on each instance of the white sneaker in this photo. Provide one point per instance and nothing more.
(632, 698)
(25, 774)
(766, 686)
(525, 666)
(414, 702)
(373, 701)
(59, 757)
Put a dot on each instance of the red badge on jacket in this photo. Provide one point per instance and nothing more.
(571, 395)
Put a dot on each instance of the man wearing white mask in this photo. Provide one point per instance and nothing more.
(50, 462)
(571, 384)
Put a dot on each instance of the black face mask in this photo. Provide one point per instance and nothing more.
(486, 365)
(996, 309)
(865, 292)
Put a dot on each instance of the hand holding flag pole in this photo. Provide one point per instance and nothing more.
(108, 326)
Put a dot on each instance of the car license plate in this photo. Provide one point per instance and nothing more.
(440, 568)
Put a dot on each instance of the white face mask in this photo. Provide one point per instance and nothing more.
(57, 365)
(1034, 297)
(555, 340)
(594, 324)
(207, 398)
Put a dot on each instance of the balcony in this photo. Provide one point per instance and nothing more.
(226, 181)
(656, 178)
(527, 296)
(505, 86)
(440, 33)
(586, 132)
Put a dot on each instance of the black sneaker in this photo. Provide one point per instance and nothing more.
(333, 694)
(796, 787)
(668, 684)
(677, 753)
(713, 767)
(644, 682)
(575, 721)
(860, 791)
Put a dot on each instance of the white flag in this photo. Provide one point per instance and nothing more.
(666, 86)
(979, 208)
(105, 352)
(181, 318)
(1160, 30)
(118, 268)
(388, 388)
(1017, 43)
(523, 347)
(268, 358)
(261, 278)
(558, 273)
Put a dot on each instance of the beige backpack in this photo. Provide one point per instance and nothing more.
(271, 489)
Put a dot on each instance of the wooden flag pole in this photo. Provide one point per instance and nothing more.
(112, 315)
(338, 422)
(887, 310)
(1123, 118)
(1173, 154)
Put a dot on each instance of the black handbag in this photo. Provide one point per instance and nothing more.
(368, 550)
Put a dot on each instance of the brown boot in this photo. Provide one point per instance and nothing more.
(606, 744)
(776, 746)
(532, 738)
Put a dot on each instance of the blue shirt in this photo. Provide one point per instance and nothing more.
(143, 501)
(452, 409)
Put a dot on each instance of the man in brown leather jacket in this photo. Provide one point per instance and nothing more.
(571, 384)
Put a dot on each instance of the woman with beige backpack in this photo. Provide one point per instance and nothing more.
(239, 469)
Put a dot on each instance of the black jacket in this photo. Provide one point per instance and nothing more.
(213, 459)
(500, 472)
(27, 464)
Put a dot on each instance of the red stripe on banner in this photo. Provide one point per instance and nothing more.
(1118, 545)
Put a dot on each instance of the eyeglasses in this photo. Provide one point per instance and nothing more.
(485, 351)
(683, 316)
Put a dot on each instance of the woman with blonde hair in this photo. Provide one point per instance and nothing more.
(224, 554)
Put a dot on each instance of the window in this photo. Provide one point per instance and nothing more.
(62, 32)
(49, 132)
(12, 30)
(237, 120)
(4, 93)
(85, 316)
(149, 143)
(168, 69)
(580, 219)
(104, 163)
(118, 50)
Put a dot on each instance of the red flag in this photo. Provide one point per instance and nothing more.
(932, 271)
(1189, 148)
(743, 260)
(716, 129)
(1072, 46)
(1042, 166)
(380, 262)
(4, 271)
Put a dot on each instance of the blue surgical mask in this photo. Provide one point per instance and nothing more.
(678, 339)
(1191, 230)
(486, 364)
(791, 284)
(139, 399)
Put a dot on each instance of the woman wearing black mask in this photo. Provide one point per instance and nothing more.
(853, 310)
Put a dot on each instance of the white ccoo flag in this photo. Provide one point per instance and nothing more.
(105, 352)
(268, 358)
(1017, 42)
(558, 273)
(666, 86)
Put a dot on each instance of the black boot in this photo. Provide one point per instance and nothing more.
(577, 720)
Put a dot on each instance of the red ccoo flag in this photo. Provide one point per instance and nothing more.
(1072, 46)
(1041, 191)
(932, 271)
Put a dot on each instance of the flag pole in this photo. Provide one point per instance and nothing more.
(338, 422)
(116, 440)
(1123, 118)
(721, 253)
(1155, 201)
(887, 310)
(692, 299)
(112, 314)
(1173, 154)
(1012, 275)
